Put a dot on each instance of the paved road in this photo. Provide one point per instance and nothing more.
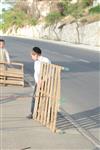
(80, 86)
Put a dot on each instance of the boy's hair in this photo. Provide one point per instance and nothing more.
(37, 50)
(1, 40)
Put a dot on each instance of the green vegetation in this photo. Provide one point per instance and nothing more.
(65, 8)
(53, 18)
(75, 10)
(17, 17)
(86, 3)
(95, 10)
(22, 14)
(78, 10)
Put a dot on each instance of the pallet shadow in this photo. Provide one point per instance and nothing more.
(88, 119)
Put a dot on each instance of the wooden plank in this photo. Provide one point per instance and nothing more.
(3, 69)
(17, 71)
(14, 69)
(44, 92)
(11, 82)
(42, 99)
(56, 101)
(12, 63)
(37, 96)
(46, 97)
(59, 87)
(50, 97)
(14, 79)
(14, 76)
(41, 92)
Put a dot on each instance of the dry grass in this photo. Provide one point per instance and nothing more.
(90, 19)
(68, 19)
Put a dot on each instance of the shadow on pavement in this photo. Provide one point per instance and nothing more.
(88, 119)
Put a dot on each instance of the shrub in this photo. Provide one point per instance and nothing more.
(65, 5)
(12, 17)
(33, 21)
(1, 26)
(95, 10)
(53, 18)
(76, 10)
(17, 18)
(86, 3)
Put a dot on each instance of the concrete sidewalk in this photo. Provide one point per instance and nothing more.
(19, 133)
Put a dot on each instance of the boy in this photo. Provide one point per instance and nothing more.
(37, 58)
(4, 55)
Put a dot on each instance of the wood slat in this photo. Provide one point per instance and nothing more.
(55, 106)
(12, 75)
(41, 93)
(48, 96)
(11, 82)
(37, 96)
(54, 99)
(44, 92)
(15, 75)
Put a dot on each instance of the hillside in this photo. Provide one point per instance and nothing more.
(62, 20)
(32, 12)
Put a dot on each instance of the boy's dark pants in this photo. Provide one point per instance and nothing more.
(33, 99)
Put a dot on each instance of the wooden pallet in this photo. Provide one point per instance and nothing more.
(48, 96)
(11, 74)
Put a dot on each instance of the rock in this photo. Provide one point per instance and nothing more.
(83, 33)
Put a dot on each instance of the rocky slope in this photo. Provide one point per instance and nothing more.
(84, 34)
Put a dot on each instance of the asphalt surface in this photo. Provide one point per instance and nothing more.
(80, 98)
(80, 86)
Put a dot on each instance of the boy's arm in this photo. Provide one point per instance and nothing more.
(7, 56)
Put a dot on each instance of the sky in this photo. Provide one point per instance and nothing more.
(4, 6)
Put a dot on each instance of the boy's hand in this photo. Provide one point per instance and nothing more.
(39, 83)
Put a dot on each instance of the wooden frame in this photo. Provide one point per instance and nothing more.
(11, 74)
(48, 95)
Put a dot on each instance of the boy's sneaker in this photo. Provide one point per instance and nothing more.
(30, 116)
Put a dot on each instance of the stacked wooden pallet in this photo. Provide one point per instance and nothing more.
(47, 96)
(11, 74)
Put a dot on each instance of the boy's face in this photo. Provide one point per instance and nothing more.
(2, 44)
(34, 56)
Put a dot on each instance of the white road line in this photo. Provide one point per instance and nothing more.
(70, 57)
(58, 53)
(83, 60)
